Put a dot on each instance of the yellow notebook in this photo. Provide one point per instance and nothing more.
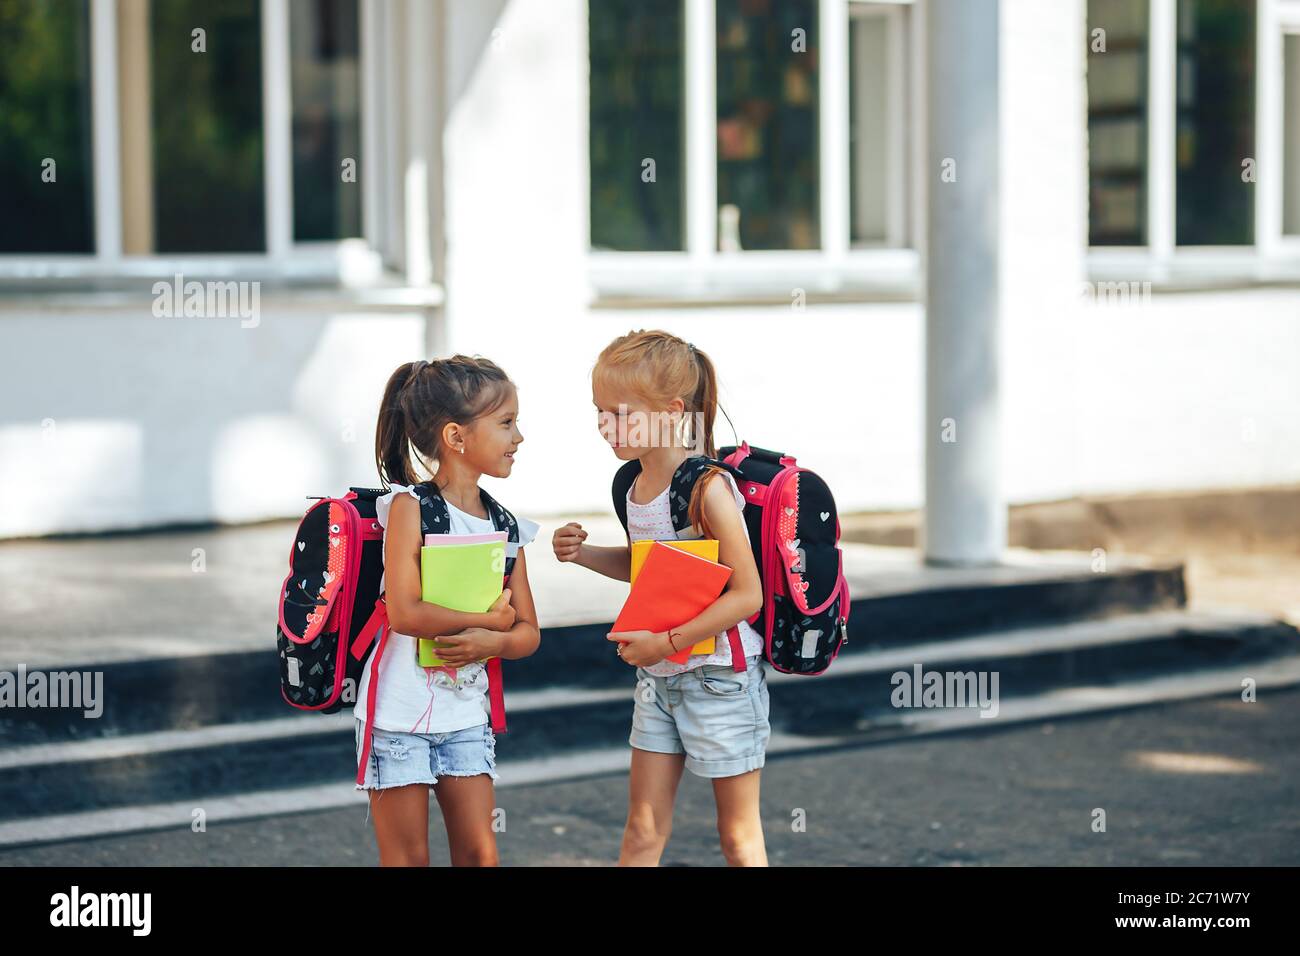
(463, 577)
(703, 547)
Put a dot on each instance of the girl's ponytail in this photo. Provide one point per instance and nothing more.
(392, 453)
(705, 403)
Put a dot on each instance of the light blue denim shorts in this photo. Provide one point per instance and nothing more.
(398, 758)
(713, 713)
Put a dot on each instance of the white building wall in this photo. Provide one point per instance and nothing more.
(110, 418)
(1044, 222)
(1189, 391)
(1080, 382)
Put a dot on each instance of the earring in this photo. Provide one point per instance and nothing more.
(462, 449)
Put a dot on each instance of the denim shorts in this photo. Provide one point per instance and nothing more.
(398, 758)
(713, 713)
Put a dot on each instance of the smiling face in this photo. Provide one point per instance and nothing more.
(631, 425)
(490, 441)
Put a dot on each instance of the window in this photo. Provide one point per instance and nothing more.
(878, 106)
(783, 133)
(1171, 123)
(636, 116)
(1291, 134)
(1117, 122)
(46, 181)
(1216, 122)
(767, 124)
(206, 108)
(326, 84)
(183, 127)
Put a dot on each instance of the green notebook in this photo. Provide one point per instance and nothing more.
(465, 577)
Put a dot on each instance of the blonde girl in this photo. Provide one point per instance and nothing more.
(656, 397)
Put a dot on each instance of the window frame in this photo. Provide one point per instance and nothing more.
(358, 261)
(1272, 257)
(1284, 21)
(839, 267)
(894, 16)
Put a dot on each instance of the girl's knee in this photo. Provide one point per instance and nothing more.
(642, 832)
(742, 845)
(405, 856)
(479, 854)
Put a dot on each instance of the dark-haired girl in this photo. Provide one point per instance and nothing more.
(457, 418)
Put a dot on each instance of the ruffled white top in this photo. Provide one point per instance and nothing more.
(416, 699)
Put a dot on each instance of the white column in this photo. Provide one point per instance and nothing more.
(277, 127)
(833, 156)
(393, 20)
(104, 127)
(1162, 133)
(965, 515)
(701, 131)
(422, 176)
(371, 48)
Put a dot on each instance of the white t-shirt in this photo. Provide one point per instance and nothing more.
(417, 699)
(653, 521)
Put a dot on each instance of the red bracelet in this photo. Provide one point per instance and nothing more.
(670, 640)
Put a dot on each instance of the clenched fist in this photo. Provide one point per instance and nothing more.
(567, 541)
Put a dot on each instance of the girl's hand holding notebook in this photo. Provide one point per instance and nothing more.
(464, 572)
(705, 548)
(673, 587)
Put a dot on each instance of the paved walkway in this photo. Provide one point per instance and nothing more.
(123, 597)
(1209, 783)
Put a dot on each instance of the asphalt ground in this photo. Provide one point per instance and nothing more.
(1206, 783)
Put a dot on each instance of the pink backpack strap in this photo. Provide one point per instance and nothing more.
(737, 650)
(381, 612)
(496, 696)
(496, 692)
(369, 630)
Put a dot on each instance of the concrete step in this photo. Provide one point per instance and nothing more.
(1093, 659)
(896, 602)
(1060, 704)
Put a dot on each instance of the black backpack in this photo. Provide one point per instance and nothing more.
(332, 613)
(794, 531)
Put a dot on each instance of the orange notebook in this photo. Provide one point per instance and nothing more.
(706, 548)
(673, 587)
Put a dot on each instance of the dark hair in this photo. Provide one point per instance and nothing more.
(421, 398)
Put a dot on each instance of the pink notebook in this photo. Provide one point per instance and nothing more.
(448, 540)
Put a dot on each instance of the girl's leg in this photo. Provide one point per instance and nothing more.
(402, 824)
(740, 825)
(467, 804)
(652, 788)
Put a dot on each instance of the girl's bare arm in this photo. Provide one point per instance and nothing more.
(523, 638)
(569, 543)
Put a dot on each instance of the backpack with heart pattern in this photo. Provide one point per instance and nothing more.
(331, 611)
(794, 531)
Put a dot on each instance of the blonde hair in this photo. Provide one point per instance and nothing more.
(657, 366)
